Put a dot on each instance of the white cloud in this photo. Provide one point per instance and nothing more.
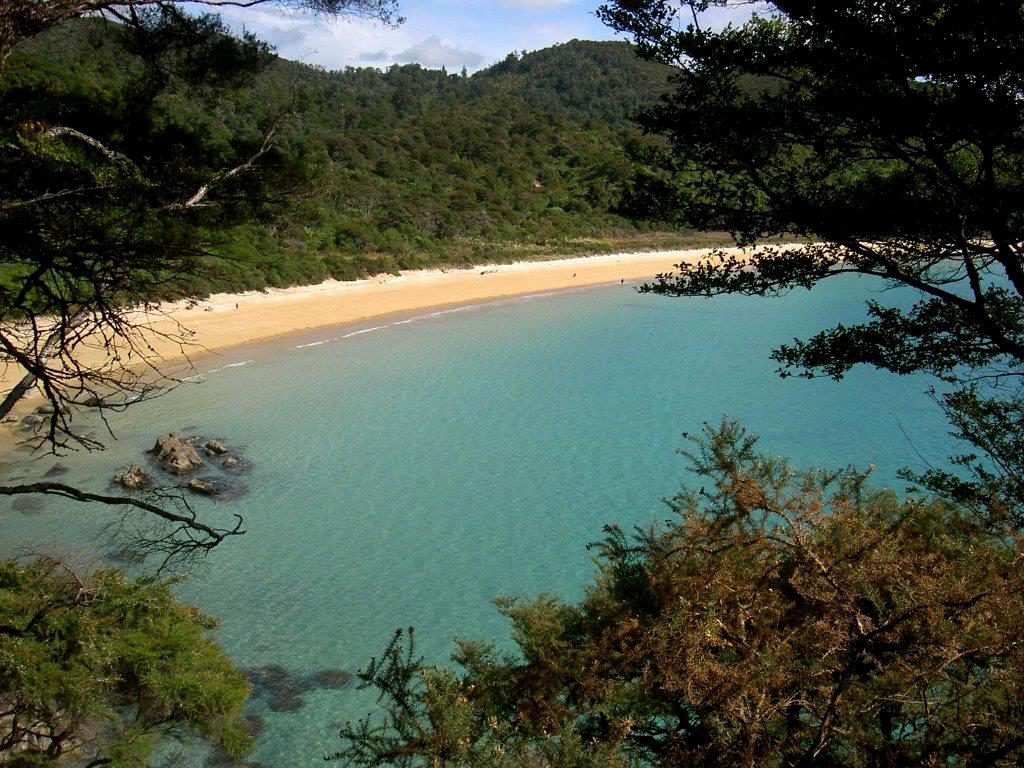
(435, 52)
(449, 33)
(538, 5)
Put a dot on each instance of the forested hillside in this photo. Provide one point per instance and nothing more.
(391, 169)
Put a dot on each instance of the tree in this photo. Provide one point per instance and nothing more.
(778, 618)
(100, 668)
(889, 133)
(110, 196)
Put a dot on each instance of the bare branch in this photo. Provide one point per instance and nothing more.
(200, 195)
(112, 155)
(198, 535)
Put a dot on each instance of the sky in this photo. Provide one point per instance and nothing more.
(436, 33)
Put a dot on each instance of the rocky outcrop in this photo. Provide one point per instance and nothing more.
(203, 487)
(134, 479)
(214, 448)
(176, 454)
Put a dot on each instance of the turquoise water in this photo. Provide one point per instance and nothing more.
(409, 474)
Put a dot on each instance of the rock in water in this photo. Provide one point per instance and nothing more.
(334, 679)
(127, 555)
(268, 677)
(134, 479)
(214, 448)
(203, 487)
(255, 725)
(32, 421)
(28, 505)
(176, 454)
(285, 704)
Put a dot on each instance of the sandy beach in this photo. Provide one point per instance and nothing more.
(223, 321)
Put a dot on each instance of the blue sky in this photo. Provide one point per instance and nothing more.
(450, 33)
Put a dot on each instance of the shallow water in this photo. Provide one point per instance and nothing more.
(406, 472)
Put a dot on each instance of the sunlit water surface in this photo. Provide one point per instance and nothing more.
(409, 474)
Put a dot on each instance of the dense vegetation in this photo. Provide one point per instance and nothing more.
(403, 168)
(98, 667)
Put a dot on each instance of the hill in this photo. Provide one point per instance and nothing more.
(406, 167)
(583, 78)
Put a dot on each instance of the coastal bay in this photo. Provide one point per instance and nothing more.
(226, 320)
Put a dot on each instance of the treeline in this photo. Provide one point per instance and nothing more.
(402, 168)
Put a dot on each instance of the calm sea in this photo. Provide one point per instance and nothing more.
(408, 474)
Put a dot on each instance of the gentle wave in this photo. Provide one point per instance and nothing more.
(364, 330)
(311, 344)
(492, 302)
(452, 311)
(529, 296)
(231, 365)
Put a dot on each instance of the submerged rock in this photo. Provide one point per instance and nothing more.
(134, 479)
(268, 676)
(286, 703)
(56, 471)
(32, 421)
(333, 679)
(127, 555)
(230, 462)
(255, 724)
(28, 505)
(283, 691)
(176, 454)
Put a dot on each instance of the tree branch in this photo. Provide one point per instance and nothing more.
(209, 537)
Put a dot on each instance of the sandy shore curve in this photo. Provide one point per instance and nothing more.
(223, 321)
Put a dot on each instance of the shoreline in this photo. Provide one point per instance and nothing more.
(281, 312)
(225, 321)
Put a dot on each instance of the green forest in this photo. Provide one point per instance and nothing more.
(396, 169)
